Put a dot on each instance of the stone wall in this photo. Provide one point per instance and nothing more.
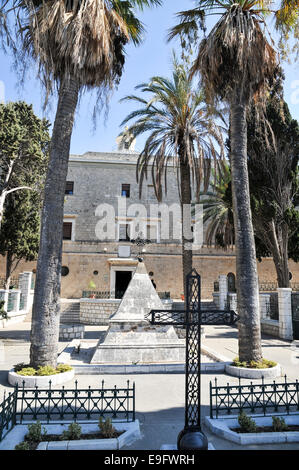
(270, 327)
(98, 179)
(85, 258)
(97, 311)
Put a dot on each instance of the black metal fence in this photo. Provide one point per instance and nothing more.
(67, 404)
(8, 413)
(265, 398)
(272, 286)
(94, 294)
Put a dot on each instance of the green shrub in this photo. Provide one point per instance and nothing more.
(247, 424)
(63, 368)
(107, 429)
(22, 446)
(72, 433)
(35, 432)
(279, 424)
(262, 364)
(46, 370)
(27, 371)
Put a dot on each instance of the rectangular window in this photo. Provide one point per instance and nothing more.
(69, 188)
(124, 233)
(67, 230)
(125, 190)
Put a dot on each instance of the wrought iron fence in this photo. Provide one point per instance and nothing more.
(66, 404)
(267, 286)
(273, 286)
(263, 397)
(8, 413)
(93, 294)
(73, 404)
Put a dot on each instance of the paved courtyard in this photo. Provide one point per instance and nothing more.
(160, 397)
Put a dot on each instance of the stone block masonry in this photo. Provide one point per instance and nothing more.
(69, 332)
(97, 311)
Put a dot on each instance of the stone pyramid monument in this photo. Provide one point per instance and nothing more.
(130, 339)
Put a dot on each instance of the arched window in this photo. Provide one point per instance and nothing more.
(231, 282)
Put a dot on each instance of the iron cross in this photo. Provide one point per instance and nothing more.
(191, 437)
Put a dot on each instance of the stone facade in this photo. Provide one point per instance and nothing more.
(97, 311)
(98, 178)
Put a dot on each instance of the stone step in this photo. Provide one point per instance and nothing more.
(70, 312)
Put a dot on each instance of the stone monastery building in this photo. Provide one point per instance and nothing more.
(99, 186)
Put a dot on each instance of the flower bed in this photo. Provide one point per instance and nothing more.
(36, 434)
(24, 375)
(127, 434)
(263, 432)
(253, 369)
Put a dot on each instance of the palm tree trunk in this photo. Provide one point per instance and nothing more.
(8, 270)
(185, 182)
(246, 269)
(279, 249)
(46, 307)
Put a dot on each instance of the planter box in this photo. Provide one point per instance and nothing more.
(222, 428)
(130, 434)
(32, 381)
(248, 373)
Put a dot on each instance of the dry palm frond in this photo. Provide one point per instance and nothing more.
(80, 42)
(236, 55)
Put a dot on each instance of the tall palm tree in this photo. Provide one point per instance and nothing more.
(181, 128)
(235, 61)
(78, 45)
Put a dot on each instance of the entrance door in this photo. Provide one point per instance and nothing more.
(122, 280)
(295, 314)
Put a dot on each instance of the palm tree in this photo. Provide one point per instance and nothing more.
(235, 61)
(78, 45)
(218, 211)
(181, 129)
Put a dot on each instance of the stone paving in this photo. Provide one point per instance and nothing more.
(160, 397)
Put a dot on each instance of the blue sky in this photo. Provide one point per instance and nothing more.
(153, 57)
